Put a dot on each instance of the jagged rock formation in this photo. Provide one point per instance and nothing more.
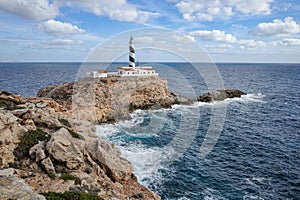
(113, 98)
(13, 187)
(51, 142)
(220, 95)
(51, 151)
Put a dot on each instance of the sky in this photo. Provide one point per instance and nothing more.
(227, 30)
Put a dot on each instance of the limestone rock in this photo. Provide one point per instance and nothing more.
(37, 152)
(9, 101)
(220, 95)
(48, 165)
(117, 168)
(10, 131)
(113, 98)
(12, 187)
(19, 112)
(29, 124)
(63, 148)
(7, 172)
(42, 104)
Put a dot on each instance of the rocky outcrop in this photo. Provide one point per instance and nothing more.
(53, 146)
(113, 98)
(13, 187)
(63, 148)
(117, 167)
(220, 95)
(51, 151)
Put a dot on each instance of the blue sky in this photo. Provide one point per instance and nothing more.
(227, 30)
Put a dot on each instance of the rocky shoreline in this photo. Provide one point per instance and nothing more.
(114, 98)
(43, 147)
(48, 143)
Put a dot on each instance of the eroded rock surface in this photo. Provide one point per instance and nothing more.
(53, 146)
(220, 95)
(13, 187)
(49, 150)
(113, 98)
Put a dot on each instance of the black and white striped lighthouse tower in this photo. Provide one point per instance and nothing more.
(131, 53)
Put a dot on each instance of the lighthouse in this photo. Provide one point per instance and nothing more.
(125, 71)
(131, 53)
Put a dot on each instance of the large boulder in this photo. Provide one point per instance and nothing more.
(64, 148)
(12, 187)
(220, 95)
(117, 168)
(10, 131)
(37, 152)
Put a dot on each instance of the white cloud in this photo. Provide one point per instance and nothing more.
(115, 9)
(57, 28)
(144, 40)
(255, 7)
(207, 10)
(144, 16)
(228, 11)
(214, 35)
(119, 10)
(287, 42)
(55, 44)
(218, 48)
(184, 38)
(221, 36)
(251, 44)
(277, 28)
(30, 9)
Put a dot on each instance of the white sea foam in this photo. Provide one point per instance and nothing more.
(249, 98)
(106, 131)
(211, 194)
(146, 162)
(184, 198)
(149, 162)
(243, 99)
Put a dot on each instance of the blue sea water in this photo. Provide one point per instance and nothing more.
(256, 156)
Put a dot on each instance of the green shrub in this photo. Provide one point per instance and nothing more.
(70, 196)
(76, 135)
(9, 104)
(65, 122)
(28, 140)
(52, 176)
(54, 127)
(88, 170)
(66, 177)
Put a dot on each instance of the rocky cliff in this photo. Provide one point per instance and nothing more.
(113, 98)
(44, 149)
(48, 143)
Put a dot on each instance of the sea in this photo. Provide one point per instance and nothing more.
(241, 148)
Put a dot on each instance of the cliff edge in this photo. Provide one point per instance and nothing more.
(113, 98)
(44, 149)
(48, 144)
